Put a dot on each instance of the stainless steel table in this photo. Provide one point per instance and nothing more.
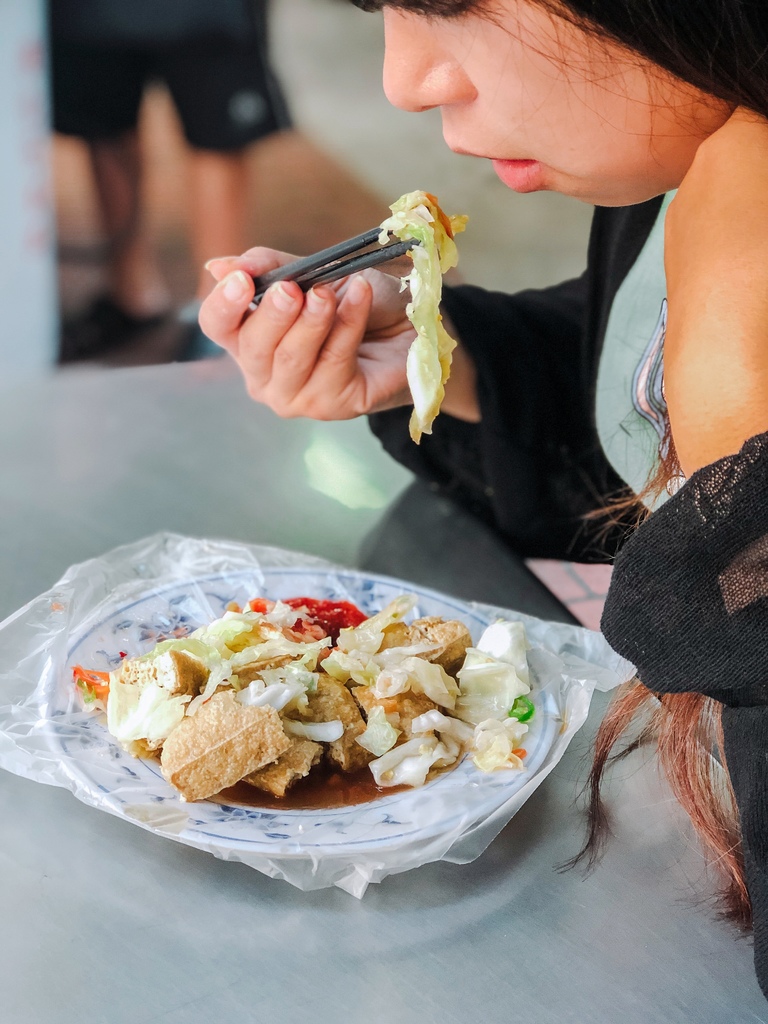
(103, 922)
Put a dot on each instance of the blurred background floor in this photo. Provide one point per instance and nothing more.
(350, 156)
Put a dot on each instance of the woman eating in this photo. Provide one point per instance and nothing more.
(635, 394)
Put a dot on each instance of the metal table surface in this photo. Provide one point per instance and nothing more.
(104, 922)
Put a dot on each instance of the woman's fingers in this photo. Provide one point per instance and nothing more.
(285, 360)
(304, 369)
(299, 354)
(330, 391)
(277, 345)
(220, 266)
(359, 380)
(296, 354)
(254, 262)
(341, 348)
(222, 312)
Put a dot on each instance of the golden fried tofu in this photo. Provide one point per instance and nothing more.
(221, 743)
(248, 673)
(450, 638)
(143, 749)
(406, 706)
(175, 671)
(294, 764)
(332, 701)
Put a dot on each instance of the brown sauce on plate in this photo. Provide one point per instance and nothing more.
(324, 787)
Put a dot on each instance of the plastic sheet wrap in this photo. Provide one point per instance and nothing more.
(166, 585)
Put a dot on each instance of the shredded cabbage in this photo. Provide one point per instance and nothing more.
(188, 645)
(147, 712)
(494, 742)
(409, 764)
(356, 665)
(380, 735)
(219, 676)
(282, 615)
(280, 647)
(277, 695)
(445, 725)
(390, 657)
(233, 631)
(368, 636)
(488, 687)
(280, 687)
(431, 679)
(494, 674)
(420, 676)
(418, 215)
(295, 672)
(507, 642)
(320, 732)
(365, 669)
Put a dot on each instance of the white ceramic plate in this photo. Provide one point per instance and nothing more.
(104, 775)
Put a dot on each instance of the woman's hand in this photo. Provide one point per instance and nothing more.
(716, 260)
(336, 353)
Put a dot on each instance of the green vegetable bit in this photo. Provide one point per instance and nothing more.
(89, 695)
(523, 709)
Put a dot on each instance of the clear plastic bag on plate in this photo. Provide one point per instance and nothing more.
(123, 602)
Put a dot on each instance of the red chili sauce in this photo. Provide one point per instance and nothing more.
(331, 616)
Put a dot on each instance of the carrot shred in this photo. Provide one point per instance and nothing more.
(97, 682)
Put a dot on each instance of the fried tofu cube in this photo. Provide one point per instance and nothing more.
(451, 639)
(248, 673)
(401, 709)
(175, 671)
(332, 701)
(220, 744)
(291, 766)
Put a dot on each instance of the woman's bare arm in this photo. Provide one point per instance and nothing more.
(716, 256)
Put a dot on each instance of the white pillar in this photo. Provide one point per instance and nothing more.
(28, 302)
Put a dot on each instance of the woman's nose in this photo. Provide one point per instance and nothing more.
(419, 70)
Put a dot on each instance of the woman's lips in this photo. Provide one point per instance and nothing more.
(520, 175)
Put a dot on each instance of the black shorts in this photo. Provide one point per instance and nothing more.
(224, 89)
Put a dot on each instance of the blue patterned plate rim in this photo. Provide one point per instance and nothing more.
(397, 820)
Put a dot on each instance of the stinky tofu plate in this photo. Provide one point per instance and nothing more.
(322, 725)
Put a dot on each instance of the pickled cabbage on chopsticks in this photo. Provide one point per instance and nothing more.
(418, 215)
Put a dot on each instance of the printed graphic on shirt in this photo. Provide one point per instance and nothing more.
(648, 396)
(630, 407)
(648, 381)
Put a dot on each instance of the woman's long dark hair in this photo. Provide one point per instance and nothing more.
(721, 48)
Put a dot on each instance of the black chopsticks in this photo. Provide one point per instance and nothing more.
(331, 265)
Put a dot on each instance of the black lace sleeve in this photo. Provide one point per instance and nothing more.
(688, 605)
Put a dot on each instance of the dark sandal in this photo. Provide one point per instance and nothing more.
(103, 327)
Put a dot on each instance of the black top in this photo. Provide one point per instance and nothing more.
(688, 602)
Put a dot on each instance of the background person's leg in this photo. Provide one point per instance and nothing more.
(228, 100)
(219, 196)
(96, 92)
(134, 278)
